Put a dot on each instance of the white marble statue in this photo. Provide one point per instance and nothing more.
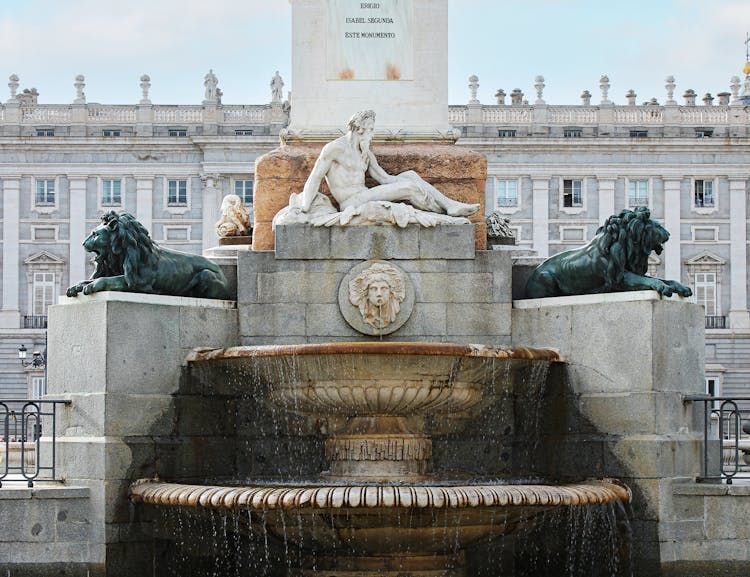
(343, 163)
(235, 219)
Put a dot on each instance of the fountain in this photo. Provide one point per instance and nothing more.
(378, 510)
(356, 431)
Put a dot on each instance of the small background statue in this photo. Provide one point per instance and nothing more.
(277, 88)
(210, 82)
(235, 219)
(498, 231)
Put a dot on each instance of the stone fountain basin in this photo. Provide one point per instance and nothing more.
(377, 520)
(372, 378)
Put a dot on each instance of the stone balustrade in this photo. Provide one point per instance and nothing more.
(88, 119)
(667, 120)
(479, 116)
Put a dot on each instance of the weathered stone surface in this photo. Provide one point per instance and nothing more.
(478, 319)
(272, 319)
(288, 161)
(298, 287)
(446, 242)
(298, 242)
(432, 161)
(326, 320)
(302, 242)
(263, 236)
(379, 242)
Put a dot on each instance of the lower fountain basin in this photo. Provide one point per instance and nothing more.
(381, 526)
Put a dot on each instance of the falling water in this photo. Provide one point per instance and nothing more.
(266, 541)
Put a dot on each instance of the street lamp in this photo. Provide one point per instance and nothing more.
(38, 360)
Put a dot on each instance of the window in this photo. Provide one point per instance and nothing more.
(705, 292)
(506, 195)
(107, 132)
(177, 192)
(244, 189)
(177, 132)
(45, 131)
(243, 132)
(43, 292)
(639, 134)
(703, 193)
(45, 192)
(704, 132)
(506, 133)
(637, 193)
(38, 387)
(572, 132)
(713, 389)
(572, 193)
(111, 195)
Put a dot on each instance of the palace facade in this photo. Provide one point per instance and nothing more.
(555, 171)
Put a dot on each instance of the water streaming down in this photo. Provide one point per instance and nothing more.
(383, 505)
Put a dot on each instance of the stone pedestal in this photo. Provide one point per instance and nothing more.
(293, 295)
(632, 358)
(458, 173)
(118, 357)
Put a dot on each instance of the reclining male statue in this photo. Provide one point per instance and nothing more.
(344, 162)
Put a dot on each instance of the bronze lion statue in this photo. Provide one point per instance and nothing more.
(615, 260)
(128, 260)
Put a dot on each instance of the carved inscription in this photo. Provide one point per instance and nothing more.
(370, 40)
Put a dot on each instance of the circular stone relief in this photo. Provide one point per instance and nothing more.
(376, 297)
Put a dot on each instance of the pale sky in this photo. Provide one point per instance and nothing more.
(506, 43)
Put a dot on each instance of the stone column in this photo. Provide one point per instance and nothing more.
(606, 198)
(739, 317)
(540, 215)
(144, 192)
(10, 315)
(672, 252)
(77, 256)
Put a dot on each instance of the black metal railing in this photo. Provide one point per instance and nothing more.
(726, 437)
(35, 321)
(28, 435)
(716, 322)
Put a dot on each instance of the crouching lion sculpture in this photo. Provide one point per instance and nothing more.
(616, 259)
(128, 260)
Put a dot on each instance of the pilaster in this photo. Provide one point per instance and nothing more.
(77, 256)
(672, 250)
(144, 193)
(540, 215)
(211, 209)
(10, 316)
(739, 317)
(606, 198)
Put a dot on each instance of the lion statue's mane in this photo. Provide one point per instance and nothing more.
(616, 259)
(128, 260)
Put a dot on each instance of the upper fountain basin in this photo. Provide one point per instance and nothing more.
(370, 378)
